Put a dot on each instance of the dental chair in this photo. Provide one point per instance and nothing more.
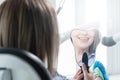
(17, 64)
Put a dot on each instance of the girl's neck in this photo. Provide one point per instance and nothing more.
(80, 51)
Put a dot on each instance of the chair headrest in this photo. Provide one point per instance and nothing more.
(17, 64)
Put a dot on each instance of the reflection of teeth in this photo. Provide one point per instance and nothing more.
(84, 38)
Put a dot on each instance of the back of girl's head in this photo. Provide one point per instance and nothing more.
(30, 25)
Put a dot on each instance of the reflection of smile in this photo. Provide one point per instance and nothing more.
(84, 38)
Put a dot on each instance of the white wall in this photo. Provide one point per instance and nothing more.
(66, 21)
(1, 1)
(53, 2)
(79, 12)
(113, 27)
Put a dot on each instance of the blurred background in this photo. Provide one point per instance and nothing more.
(76, 12)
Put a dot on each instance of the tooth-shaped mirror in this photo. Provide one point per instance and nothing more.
(85, 39)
